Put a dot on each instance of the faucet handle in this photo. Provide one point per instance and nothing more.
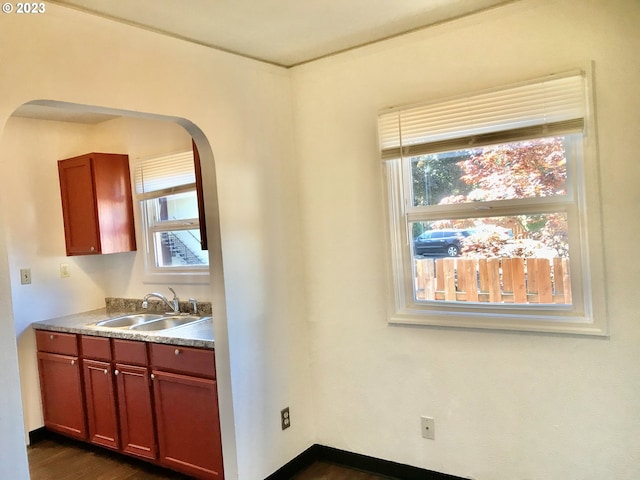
(193, 302)
(175, 301)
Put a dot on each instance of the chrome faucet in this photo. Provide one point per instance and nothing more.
(173, 304)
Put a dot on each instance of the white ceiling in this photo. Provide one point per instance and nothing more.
(282, 32)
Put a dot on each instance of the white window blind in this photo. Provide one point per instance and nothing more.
(160, 176)
(550, 106)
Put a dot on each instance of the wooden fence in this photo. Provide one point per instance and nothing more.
(496, 280)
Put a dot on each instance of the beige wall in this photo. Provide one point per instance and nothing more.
(35, 240)
(299, 290)
(239, 112)
(506, 405)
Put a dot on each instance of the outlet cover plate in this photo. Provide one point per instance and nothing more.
(428, 428)
(285, 418)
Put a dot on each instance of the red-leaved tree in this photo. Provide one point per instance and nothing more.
(526, 169)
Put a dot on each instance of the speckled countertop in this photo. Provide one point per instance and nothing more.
(199, 334)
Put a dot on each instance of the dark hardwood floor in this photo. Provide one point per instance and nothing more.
(328, 471)
(63, 459)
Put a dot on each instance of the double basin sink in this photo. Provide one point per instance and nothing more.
(149, 322)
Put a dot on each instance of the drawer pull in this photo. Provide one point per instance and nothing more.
(177, 351)
(116, 372)
(153, 376)
(51, 337)
(105, 371)
(73, 362)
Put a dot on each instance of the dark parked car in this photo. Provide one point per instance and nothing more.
(439, 242)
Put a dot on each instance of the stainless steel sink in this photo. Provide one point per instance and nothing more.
(168, 322)
(129, 320)
(148, 322)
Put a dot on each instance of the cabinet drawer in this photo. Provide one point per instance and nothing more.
(56, 342)
(195, 361)
(98, 348)
(130, 352)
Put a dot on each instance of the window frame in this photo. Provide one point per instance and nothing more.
(587, 313)
(181, 274)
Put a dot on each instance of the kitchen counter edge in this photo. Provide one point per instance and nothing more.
(198, 335)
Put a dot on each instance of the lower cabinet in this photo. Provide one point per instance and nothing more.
(186, 403)
(99, 396)
(99, 393)
(187, 410)
(61, 384)
(155, 402)
(62, 405)
(136, 411)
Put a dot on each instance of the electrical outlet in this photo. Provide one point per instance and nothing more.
(64, 270)
(285, 418)
(428, 428)
(25, 276)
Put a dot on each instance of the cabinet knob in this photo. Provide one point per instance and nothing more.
(153, 376)
(73, 362)
(177, 351)
(93, 249)
(105, 371)
(116, 372)
(51, 337)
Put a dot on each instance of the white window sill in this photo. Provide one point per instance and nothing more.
(565, 324)
(177, 278)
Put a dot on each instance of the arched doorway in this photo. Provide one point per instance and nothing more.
(50, 296)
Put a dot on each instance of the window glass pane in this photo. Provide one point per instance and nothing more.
(179, 206)
(179, 248)
(525, 169)
(515, 259)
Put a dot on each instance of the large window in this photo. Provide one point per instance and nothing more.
(493, 209)
(166, 190)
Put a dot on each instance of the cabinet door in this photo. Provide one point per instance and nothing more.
(135, 411)
(114, 205)
(188, 424)
(101, 403)
(78, 206)
(199, 191)
(61, 387)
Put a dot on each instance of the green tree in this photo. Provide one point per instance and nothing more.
(438, 176)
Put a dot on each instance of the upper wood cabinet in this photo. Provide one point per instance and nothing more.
(96, 204)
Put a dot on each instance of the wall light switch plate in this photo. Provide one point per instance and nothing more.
(64, 270)
(25, 276)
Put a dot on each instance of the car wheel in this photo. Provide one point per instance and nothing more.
(453, 251)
